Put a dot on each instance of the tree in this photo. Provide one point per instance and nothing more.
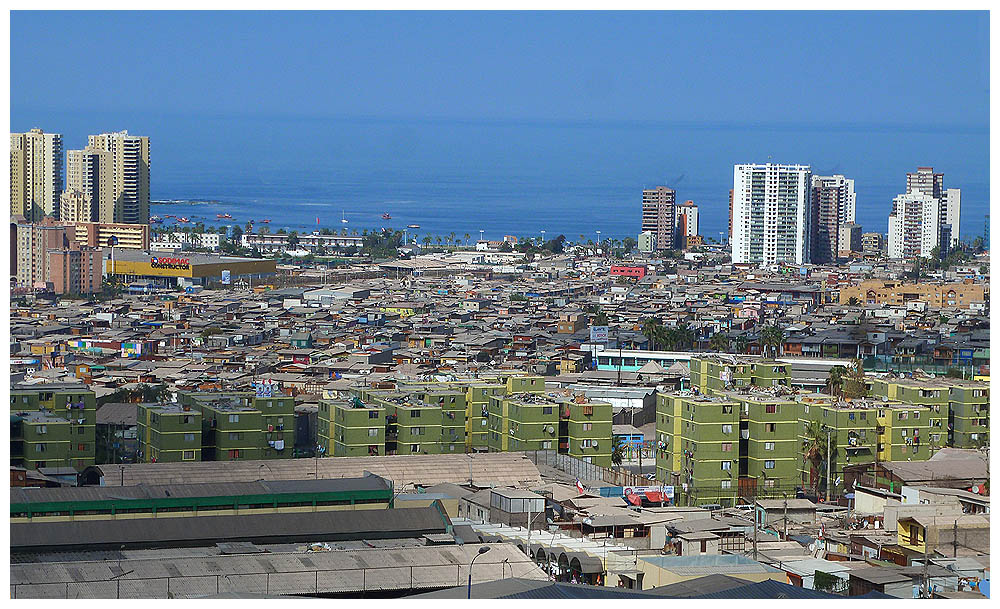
(600, 318)
(618, 452)
(293, 239)
(505, 247)
(427, 240)
(467, 237)
(719, 342)
(742, 343)
(854, 382)
(651, 329)
(683, 336)
(853, 301)
(814, 441)
(954, 373)
(773, 337)
(835, 380)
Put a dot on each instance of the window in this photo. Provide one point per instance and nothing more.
(771, 408)
(916, 414)
(81, 447)
(727, 465)
(43, 429)
(234, 418)
(187, 419)
(234, 454)
(768, 445)
(39, 448)
(727, 484)
(189, 437)
(372, 432)
(235, 435)
(414, 448)
(769, 427)
(588, 426)
(727, 409)
(864, 416)
(414, 414)
(727, 429)
(727, 447)
(769, 464)
(850, 416)
(546, 410)
(188, 455)
(769, 483)
(372, 414)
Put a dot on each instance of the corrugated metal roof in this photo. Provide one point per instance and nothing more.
(210, 530)
(486, 469)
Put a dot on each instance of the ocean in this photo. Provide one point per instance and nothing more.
(520, 178)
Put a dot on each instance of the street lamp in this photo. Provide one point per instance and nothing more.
(482, 550)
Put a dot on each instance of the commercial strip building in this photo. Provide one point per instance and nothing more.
(172, 269)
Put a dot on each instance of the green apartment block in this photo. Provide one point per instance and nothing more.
(351, 428)
(240, 425)
(168, 433)
(966, 404)
(716, 449)
(570, 425)
(711, 373)
(53, 425)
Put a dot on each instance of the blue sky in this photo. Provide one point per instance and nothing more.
(812, 67)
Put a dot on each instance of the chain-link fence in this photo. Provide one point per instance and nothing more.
(318, 582)
(581, 470)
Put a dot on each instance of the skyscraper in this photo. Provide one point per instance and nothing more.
(925, 181)
(90, 171)
(833, 205)
(36, 176)
(130, 174)
(771, 213)
(658, 215)
(914, 225)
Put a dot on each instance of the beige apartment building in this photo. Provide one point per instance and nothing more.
(75, 206)
(129, 163)
(35, 174)
(936, 295)
(97, 234)
(90, 171)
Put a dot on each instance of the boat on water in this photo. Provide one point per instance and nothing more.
(223, 216)
(155, 220)
(265, 221)
(342, 217)
(412, 226)
(184, 220)
(386, 216)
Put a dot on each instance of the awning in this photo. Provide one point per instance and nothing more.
(634, 499)
(655, 497)
(585, 563)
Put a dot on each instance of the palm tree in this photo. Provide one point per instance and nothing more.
(853, 301)
(719, 342)
(467, 237)
(650, 329)
(742, 343)
(814, 443)
(773, 337)
(683, 336)
(665, 336)
(835, 382)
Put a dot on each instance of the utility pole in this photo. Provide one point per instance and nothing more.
(829, 461)
(785, 518)
(954, 540)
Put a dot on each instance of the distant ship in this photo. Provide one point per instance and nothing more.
(342, 218)
(412, 226)
(184, 220)
(386, 216)
(155, 220)
(223, 216)
(265, 221)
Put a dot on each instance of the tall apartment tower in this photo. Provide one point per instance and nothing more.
(36, 174)
(833, 205)
(130, 174)
(925, 181)
(772, 214)
(90, 171)
(914, 225)
(730, 236)
(658, 215)
(686, 223)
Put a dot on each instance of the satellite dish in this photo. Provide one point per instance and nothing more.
(975, 489)
(812, 547)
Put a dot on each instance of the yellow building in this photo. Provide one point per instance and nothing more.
(172, 269)
(934, 294)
